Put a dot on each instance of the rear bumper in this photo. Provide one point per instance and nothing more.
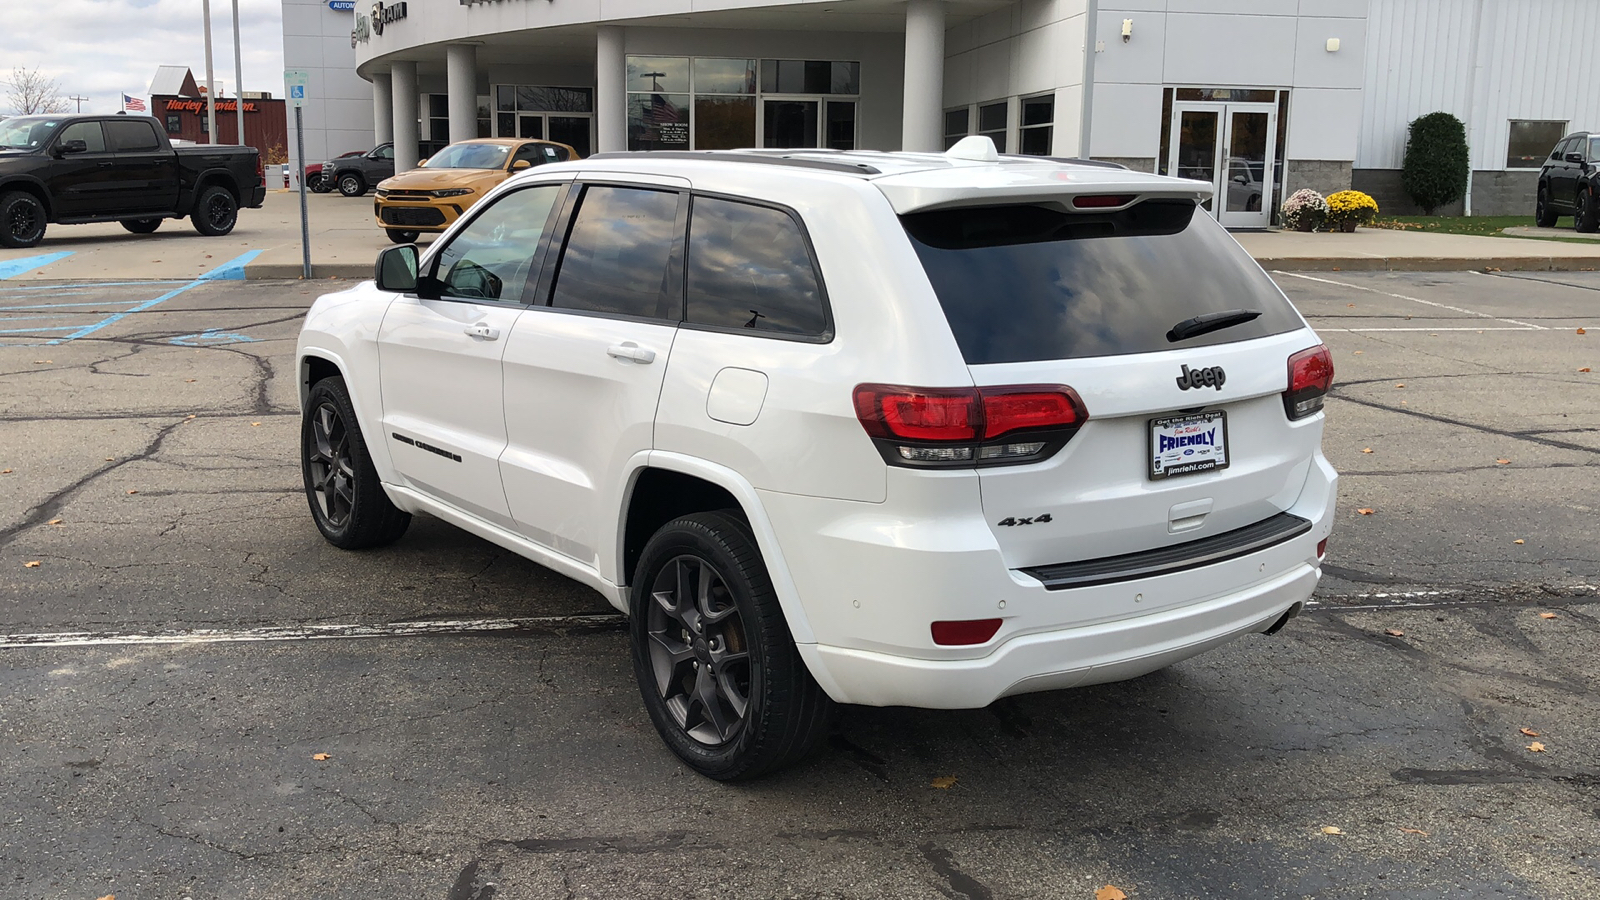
(256, 196)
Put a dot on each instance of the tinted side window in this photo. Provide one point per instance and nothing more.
(618, 254)
(88, 132)
(749, 267)
(132, 137)
(384, 152)
(492, 257)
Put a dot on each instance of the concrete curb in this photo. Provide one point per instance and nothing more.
(292, 271)
(1431, 264)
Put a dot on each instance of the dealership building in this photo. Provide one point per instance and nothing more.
(1260, 97)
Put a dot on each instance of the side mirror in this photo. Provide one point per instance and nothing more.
(396, 270)
(521, 164)
(1575, 158)
(66, 148)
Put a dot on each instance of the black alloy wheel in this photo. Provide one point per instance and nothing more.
(717, 666)
(347, 501)
(22, 220)
(1543, 215)
(141, 226)
(1586, 218)
(215, 212)
(352, 185)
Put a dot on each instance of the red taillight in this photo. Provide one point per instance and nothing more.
(1310, 377)
(968, 426)
(1101, 201)
(965, 632)
(1322, 548)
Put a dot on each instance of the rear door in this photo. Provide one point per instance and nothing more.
(440, 358)
(83, 184)
(146, 169)
(584, 365)
(1035, 296)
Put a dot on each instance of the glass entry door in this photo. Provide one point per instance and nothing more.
(808, 122)
(1233, 146)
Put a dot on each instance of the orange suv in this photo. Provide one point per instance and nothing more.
(433, 196)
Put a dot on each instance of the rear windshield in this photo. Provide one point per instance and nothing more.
(1026, 283)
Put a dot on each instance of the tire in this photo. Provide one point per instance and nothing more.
(215, 211)
(141, 226)
(352, 185)
(402, 237)
(22, 220)
(347, 500)
(1586, 218)
(676, 653)
(320, 185)
(1543, 215)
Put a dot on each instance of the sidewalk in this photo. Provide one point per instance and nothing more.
(345, 241)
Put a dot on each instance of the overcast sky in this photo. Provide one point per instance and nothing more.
(102, 49)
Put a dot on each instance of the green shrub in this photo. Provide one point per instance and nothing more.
(1435, 169)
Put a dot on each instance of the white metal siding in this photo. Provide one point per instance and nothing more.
(1534, 59)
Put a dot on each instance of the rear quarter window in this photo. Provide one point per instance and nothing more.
(750, 268)
(1022, 283)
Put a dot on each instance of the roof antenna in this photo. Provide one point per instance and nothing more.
(974, 148)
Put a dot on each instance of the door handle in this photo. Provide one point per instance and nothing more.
(630, 350)
(104, 164)
(480, 330)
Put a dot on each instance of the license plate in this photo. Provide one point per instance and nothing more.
(1184, 445)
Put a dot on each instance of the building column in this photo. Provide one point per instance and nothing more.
(403, 94)
(610, 90)
(382, 108)
(461, 81)
(920, 128)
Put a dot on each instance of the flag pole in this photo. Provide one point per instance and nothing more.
(238, 72)
(211, 81)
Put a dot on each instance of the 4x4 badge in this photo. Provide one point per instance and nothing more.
(1212, 377)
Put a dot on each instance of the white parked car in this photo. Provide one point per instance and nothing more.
(872, 428)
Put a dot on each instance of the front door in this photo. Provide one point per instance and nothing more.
(443, 410)
(83, 184)
(1234, 147)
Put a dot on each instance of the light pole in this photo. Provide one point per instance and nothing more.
(211, 81)
(238, 72)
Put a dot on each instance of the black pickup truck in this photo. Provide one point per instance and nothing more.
(75, 169)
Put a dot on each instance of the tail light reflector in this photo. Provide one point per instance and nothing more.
(953, 427)
(1322, 548)
(1310, 377)
(1101, 201)
(964, 633)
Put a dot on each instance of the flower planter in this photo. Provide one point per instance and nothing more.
(1348, 226)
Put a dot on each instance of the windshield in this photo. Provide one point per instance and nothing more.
(27, 133)
(1594, 148)
(469, 156)
(1026, 283)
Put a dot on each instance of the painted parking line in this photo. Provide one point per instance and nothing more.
(1526, 326)
(308, 632)
(11, 268)
(232, 270)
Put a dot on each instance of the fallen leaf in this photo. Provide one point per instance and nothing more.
(5, 471)
(1401, 385)
(1366, 510)
(1358, 352)
(1366, 449)
(1536, 747)
(32, 564)
(1331, 829)
(944, 782)
(1581, 331)
(1529, 732)
(255, 424)
(1415, 831)
(132, 492)
(1548, 616)
(109, 897)
(1351, 305)
(1503, 462)
(1519, 541)
(189, 416)
(188, 381)
(42, 362)
(319, 757)
(1110, 892)
(53, 522)
(1394, 632)
(110, 458)
(1584, 369)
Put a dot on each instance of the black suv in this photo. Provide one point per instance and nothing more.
(1569, 183)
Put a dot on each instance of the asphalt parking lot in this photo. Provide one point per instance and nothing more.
(484, 737)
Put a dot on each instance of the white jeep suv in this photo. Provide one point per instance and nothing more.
(841, 427)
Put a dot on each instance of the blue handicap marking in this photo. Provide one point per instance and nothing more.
(11, 268)
(232, 270)
(211, 337)
(298, 92)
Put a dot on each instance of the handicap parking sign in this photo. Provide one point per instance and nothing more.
(296, 80)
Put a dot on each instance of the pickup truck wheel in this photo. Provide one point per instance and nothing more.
(320, 185)
(352, 185)
(716, 664)
(1543, 215)
(1586, 218)
(216, 212)
(347, 500)
(141, 226)
(401, 237)
(22, 220)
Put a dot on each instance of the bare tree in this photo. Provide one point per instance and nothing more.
(30, 92)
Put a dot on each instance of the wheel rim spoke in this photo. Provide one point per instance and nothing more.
(698, 651)
(330, 465)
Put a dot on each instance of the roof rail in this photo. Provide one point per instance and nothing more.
(734, 156)
(1070, 160)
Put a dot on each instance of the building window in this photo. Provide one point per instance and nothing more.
(956, 125)
(1038, 121)
(174, 123)
(992, 121)
(710, 103)
(1530, 142)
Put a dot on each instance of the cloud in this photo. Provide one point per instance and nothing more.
(102, 49)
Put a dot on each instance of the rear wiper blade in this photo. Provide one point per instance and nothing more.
(1209, 322)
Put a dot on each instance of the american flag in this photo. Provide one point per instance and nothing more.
(133, 104)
